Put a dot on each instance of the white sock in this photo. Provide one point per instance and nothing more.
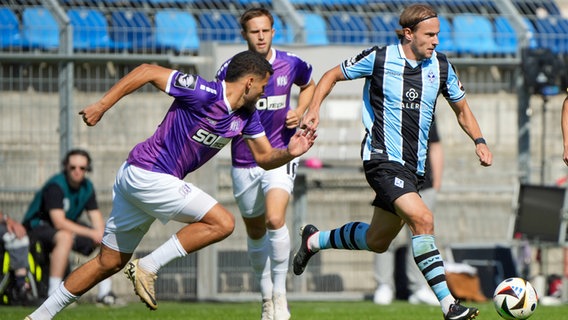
(313, 242)
(55, 302)
(446, 302)
(260, 263)
(105, 287)
(279, 241)
(170, 250)
(54, 283)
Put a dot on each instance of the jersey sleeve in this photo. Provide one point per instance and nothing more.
(455, 90)
(359, 66)
(190, 89)
(222, 72)
(253, 128)
(303, 72)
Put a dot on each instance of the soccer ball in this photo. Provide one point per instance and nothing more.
(515, 298)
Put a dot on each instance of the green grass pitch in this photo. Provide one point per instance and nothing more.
(359, 310)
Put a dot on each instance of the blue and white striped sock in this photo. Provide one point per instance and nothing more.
(431, 265)
(351, 236)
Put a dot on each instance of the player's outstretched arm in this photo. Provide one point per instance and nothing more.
(324, 87)
(145, 73)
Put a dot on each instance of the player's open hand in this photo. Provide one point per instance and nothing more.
(301, 142)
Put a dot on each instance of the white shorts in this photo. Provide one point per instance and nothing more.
(250, 186)
(141, 196)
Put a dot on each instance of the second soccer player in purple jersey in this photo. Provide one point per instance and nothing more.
(263, 195)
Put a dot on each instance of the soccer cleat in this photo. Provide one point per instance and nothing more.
(459, 312)
(281, 311)
(267, 310)
(304, 254)
(143, 282)
(28, 318)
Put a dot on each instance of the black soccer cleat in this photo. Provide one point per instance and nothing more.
(459, 312)
(304, 254)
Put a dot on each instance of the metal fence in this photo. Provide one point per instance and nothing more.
(77, 49)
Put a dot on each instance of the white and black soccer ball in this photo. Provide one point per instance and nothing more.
(515, 298)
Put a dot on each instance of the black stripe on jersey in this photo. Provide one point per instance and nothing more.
(411, 103)
(377, 98)
(444, 66)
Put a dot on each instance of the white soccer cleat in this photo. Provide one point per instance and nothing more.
(281, 311)
(267, 310)
(143, 282)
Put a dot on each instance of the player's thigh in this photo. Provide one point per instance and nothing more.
(247, 190)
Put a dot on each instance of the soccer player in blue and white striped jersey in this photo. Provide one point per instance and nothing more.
(402, 83)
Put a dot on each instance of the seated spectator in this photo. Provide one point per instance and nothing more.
(53, 217)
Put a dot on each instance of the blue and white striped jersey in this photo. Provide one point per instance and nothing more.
(399, 100)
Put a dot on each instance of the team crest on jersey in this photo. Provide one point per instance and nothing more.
(431, 77)
(282, 81)
(235, 125)
(186, 81)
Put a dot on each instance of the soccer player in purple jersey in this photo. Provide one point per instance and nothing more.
(263, 195)
(203, 117)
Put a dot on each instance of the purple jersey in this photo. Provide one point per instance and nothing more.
(197, 125)
(274, 105)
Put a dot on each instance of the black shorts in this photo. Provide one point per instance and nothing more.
(45, 233)
(390, 180)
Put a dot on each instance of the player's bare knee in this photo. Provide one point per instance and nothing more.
(225, 226)
(379, 246)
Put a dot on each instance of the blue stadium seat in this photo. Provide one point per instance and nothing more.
(445, 36)
(315, 29)
(551, 32)
(280, 31)
(505, 36)
(176, 30)
(10, 35)
(533, 43)
(474, 34)
(131, 30)
(307, 2)
(264, 3)
(40, 30)
(383, 28)
(348, 28)
(90, 29)
(219, 26)
(170, 2)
